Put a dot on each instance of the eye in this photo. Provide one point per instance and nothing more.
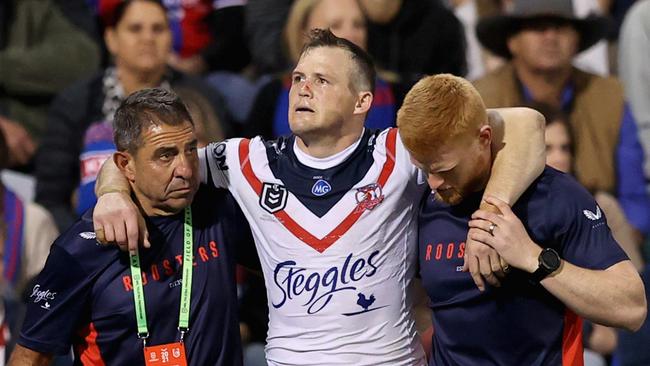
(321, 81)
(297, 78)
(165, 156)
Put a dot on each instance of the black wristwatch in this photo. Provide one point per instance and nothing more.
(549, 262)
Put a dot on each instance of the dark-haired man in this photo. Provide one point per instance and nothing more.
(332, 208)
(161, 307)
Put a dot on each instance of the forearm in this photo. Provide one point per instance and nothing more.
(22, 356)
(520, 152)
(613, 297)
(110, 179)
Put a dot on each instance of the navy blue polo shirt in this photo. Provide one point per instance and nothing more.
(519, 323)
(84, 296)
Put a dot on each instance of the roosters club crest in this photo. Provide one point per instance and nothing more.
(273, 197)
(368, 197)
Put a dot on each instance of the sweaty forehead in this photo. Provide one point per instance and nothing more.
(162, 134)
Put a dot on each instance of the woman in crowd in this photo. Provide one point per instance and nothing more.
(80, 134)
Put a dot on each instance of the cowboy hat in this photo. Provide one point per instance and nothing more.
(493, 32)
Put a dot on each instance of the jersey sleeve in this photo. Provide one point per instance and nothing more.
(581, 227)
(403, 159)
(216, 160)
(56, 304)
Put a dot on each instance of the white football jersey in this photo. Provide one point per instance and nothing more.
(337, 247)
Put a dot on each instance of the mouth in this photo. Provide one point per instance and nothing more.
(304, 109)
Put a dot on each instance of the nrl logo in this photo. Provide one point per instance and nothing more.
(368, 197)
(273, 197)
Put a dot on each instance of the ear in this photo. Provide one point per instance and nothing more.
(364, 101)
(485, 135)
(125, 163)
(513, 44)
(110, 40)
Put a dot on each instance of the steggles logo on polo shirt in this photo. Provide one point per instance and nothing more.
(39, 295)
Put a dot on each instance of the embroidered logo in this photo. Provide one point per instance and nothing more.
(321, 188)
(593, 216)
(273, 197)
(368, 197)
(88, 235)
(38, 295)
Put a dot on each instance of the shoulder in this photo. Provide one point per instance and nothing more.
(590, 81)
(79, 241)
(567, 201)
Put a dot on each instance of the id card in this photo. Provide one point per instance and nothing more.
(170, 354)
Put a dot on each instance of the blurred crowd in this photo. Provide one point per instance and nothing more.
(65, 66)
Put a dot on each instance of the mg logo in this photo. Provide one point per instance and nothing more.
(321, 188)
(273, 197)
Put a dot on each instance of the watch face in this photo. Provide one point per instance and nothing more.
(550, 259)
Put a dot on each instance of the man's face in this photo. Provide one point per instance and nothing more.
(321, 99)
(545, 45)
(457, 169)
(141, 41)
(164, 170)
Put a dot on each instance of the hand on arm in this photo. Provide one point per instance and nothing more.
(116, 218)
(22, 356)
(613, 297)
(519, 155)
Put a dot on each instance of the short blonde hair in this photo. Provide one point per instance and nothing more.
(437, 109)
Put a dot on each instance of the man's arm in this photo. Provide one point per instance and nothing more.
(614, 296)
(22, 356)
(519, 157)
(115, 217)
(519, 149)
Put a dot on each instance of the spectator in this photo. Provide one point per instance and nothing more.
(264, 22)
(269, 116)
(634, 48)
(469, 12)
(207, 35)
(419, 37)
(541, 38)
(44, 46)
(80, 133)
(26, 232)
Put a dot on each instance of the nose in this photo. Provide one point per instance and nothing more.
(435, 181)
(184, 168)
(304, 88)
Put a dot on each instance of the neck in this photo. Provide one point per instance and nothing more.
(134, 81)
(325, 146)
(544, 86)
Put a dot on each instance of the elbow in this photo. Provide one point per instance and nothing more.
(633, 316)
(636, 316)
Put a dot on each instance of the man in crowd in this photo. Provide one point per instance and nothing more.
(89, 296)
(332, 209)
(541, 39)
(566, 264)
